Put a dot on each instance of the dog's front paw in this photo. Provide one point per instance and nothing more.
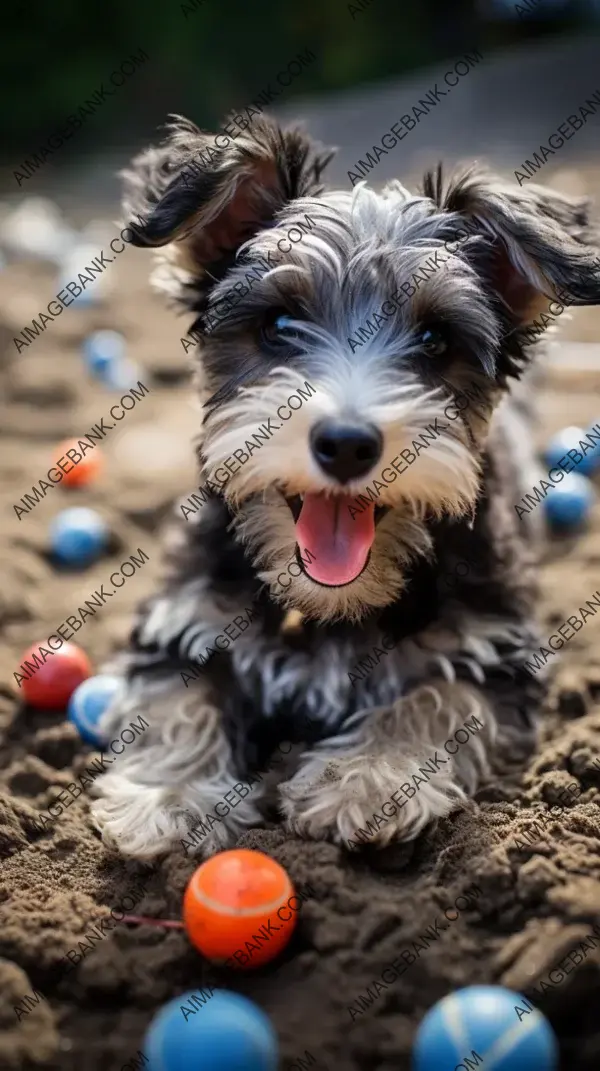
(136, 819)
(145, 821)
(362, 800)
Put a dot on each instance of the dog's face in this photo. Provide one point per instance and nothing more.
(339, 410)
(353, 347)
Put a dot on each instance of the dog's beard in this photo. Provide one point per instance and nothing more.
(297, 560)
(338, 533)
(267, 528)
(347, 554)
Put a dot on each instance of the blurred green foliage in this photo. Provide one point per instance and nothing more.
(220, 55)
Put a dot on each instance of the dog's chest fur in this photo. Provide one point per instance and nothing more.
(465, 613)
(329, 673)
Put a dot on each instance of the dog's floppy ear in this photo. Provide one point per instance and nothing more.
(544, 242)
(209, 193)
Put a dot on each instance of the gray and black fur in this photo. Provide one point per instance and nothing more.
(462, 644)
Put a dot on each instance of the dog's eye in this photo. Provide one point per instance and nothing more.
(433, 342)
(276, 332)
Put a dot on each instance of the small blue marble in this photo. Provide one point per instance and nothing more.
(88, 703)
(572, 438)
(568, 503)
(78, 536)
(103, 352)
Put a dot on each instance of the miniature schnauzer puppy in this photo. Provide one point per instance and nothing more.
(382, 613)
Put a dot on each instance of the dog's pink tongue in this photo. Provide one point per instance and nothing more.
(338, 542)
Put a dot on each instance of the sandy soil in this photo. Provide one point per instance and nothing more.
(538, 887)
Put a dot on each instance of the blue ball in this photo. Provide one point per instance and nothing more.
(103, 351)
(594, 457)
(568, 503)
(226, 1032)
(570, 439)
(506, 1031)
(122, 375)
(87, 299)
(88, 703)
(78, 536)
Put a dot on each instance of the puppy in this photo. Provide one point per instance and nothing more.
(376, 517)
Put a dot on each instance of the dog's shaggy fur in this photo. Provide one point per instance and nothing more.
(457, 639)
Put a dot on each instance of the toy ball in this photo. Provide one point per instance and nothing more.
(77, 473)
(501, 1028)
(102, 351)
(230, 908)
(52, 684)
(594, 456)
(123, 375)
(88, 703)
(78, 536)
(571, 439)
(36, 228)
(226, 1032)
(76, 263)
(568, 503)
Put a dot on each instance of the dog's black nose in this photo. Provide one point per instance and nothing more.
(345, 451)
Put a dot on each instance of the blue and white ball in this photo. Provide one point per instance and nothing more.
(572, 438)
(489, 1026)
(78, 536)
(123, 375)
(568, 503)
(222, 1032)
(594, 457)
(88, 703)
(36, 228)
(104, 351)
(93, 287)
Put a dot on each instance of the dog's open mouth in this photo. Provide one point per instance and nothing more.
(334, 539)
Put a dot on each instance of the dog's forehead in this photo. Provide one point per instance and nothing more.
(336, 260)
(349, 219)
(344, 240)
(347, 249)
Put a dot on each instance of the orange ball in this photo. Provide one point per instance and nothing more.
(81, 472)
(236, 908)
(52, 684)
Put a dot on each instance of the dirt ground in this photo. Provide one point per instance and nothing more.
(538, 892)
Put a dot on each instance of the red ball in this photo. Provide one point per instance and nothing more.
(237, 908)
(82, 472)
(52, 684)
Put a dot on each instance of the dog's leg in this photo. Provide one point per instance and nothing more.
(181, 763)
(429, 750)
(183, 760)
